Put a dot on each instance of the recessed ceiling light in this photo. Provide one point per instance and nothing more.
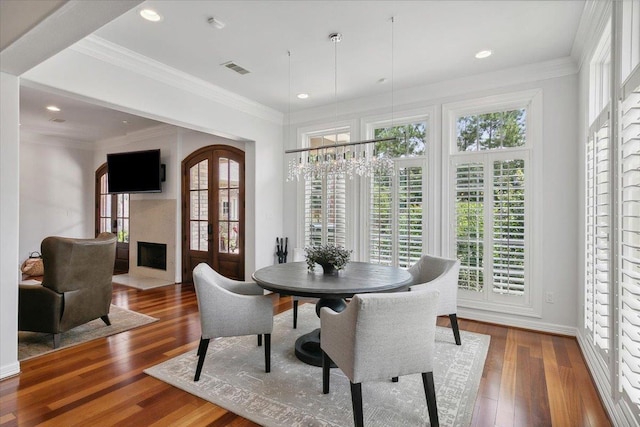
(302, 95)
(483, 54)
(53, 108)
(125, 122)
(151, 15)
(382, 80)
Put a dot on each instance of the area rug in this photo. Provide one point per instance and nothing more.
(32, 344)
(233, 377)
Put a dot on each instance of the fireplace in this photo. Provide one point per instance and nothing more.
(152, 255)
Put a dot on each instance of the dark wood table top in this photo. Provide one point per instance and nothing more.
(357, 277)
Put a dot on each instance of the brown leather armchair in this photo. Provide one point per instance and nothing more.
(76, 288)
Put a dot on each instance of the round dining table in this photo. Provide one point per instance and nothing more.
(356, 278)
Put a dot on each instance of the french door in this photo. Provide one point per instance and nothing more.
(112, 216)
(213, 211)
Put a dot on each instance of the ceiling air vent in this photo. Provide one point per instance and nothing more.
(57, 120)
(235, 67)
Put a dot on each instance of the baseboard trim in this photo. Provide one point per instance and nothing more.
(9, 370)
(523, 323)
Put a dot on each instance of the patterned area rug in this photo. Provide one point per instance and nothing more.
(32, 344)
(233, 377)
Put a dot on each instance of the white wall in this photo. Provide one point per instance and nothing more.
(56, 190)
(558, 258)
(9, 200)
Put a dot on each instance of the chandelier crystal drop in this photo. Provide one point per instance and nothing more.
(341, 161)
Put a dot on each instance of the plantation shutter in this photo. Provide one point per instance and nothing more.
(381, 220)
(410, 209)
(629, 249)
(601, 232)
(325, 211)
(508, 227)
(336, 210)
(313, 215)
(590, 237)
(469, 208)
(396, 216)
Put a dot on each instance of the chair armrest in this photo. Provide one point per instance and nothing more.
(337, 337)
(244, 288)
(234, 315)
(447, 285)
(39, 309)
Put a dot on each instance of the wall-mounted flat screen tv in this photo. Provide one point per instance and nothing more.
(134, 172)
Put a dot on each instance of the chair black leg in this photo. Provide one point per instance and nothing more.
(295, 314)
(202, 353)
(56, 340)
(259, 340)
(106, 320)
(326, 369)
(430, 392)
(267, 352)
(454, 325)
(356, 402)
(200, 345)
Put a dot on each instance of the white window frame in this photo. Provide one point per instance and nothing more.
(430, 176)
(530, 303)
(303, 137)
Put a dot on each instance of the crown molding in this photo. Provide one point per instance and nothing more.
(444, 90)
(117, 55)
(593, 21)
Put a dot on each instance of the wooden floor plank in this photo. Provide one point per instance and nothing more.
(528, 378)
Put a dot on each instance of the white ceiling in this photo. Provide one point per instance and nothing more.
(432, 41)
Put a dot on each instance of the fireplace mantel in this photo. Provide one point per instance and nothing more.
(153, 221)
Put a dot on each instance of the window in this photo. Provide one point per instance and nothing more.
(491, 188)
(629, 248)
(598, 236)
(396, 202)
(598, 204)
(611, 333)
(325, 199)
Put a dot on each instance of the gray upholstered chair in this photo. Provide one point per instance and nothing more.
(381, 336)
(432, 272)
(230, 308)
(76, 287)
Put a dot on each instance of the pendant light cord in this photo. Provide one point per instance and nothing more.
(393, 20)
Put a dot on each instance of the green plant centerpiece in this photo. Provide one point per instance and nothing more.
(332, 258)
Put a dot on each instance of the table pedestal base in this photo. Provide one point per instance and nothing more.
(308, 345)
(308, 349)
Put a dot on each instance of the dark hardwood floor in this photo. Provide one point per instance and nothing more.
(529, 379)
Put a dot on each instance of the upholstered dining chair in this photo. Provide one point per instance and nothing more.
(230, 308)
(432, 272)
(379, 337)
(76, 287)
(298, 255)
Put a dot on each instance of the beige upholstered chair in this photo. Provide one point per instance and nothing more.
(432, 272)
(298, 255)
(230, 308)
(76, 287)
(381, 336)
